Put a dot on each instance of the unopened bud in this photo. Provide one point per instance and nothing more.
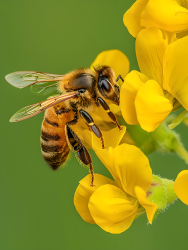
(161, 192)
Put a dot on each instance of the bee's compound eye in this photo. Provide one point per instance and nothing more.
(104, 87)
(81, 91)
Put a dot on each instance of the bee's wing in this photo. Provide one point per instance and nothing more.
(21, 79)
(39, 107)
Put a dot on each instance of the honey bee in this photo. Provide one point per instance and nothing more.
(81, 91)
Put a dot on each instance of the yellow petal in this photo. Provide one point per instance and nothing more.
(107, 158)
(181, 186)
(132, 167)
(115, 109)
(175, 70)
(150, 48)
(111, 138)
(149, 206)
(102, 119)
(132, 17)
(182, 34)
(112, 209)
(171, 15)
(128, 139)
(116, 59)
(133, 82)
(151, 106)
(87, 138)
(84, 192)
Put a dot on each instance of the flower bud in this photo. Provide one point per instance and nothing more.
(161, 192)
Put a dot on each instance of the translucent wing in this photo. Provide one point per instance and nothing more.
(21, 79)
(45, 88)
(39, 107)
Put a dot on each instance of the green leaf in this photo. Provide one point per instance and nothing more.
(45, 88)
(177, 120)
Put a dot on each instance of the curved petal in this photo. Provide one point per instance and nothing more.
(150, 48)
(175, 70)
(132, 17)
(133, 82)
(166, 14)
(182, 34)
(132, 167)
(128, 139)
(115, 109)
(151, 106)
(84, 192)
(181, 186)
(112, 209)
(107, 158)
(116, 59)
(149, 206)
(111, 138)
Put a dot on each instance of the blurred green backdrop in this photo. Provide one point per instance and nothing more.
(36, 204)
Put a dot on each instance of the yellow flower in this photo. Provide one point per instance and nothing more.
(181, 186)
(147, 98)
(169, 15)
(113, 205)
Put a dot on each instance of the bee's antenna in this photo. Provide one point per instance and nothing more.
(119, 77)
(94, 68)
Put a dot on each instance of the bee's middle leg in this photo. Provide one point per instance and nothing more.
(90, 122)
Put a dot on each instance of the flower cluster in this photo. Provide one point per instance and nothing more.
(149, 96)
(113, 205)
(146, 99)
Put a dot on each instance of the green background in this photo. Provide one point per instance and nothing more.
(36, 204)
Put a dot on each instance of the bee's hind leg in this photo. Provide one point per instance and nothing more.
(85, 158)
(105, 106)
(83, 154)
(90, 122)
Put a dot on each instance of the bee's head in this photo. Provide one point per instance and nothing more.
(107, 83)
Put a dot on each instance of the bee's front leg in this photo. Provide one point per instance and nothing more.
(107, 109)
(90, 122)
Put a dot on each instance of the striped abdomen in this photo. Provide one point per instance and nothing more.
(54, 145)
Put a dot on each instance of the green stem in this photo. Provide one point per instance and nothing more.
(180, 150)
